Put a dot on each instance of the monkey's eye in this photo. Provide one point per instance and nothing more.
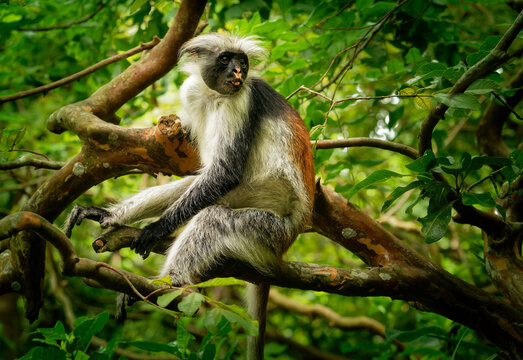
(243, 62)
(224, 59)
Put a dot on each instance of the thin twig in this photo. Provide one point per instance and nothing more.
(135, 290)
(79, 21)
(500, 99)
(309, 90)
(381, 97)
(27, 161)
(332, 63)
(318, 25)
(78, 75)
(32, 152)
(378, 25)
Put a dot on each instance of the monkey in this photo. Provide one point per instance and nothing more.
(254, 192)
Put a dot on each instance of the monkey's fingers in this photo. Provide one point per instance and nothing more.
(144, 242)
(79, 213)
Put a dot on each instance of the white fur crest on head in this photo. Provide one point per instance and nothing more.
(213, 42)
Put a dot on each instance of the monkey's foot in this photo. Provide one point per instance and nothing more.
(85, 212)
(150, 236)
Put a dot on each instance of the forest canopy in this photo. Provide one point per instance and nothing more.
(414, 114)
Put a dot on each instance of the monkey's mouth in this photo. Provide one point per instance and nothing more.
(235, 82)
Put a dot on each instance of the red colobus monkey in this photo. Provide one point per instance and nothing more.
(254, 192)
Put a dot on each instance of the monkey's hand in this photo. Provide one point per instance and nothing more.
(85, 212)
(148, 238)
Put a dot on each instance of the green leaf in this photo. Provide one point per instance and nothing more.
(165, 299)
(208, 352)
(421, 163)
(137, 4)
(87, 328)
(229, 281)
(397, 192)
(483, 199)
(517, 157)
(410, 335)
(11, 18)
(462, 101)
(55, 333)
(182, 335)
(154, 347)
(271, 26)
(236, 314)
(250, 326)
(363, 4)
(453, 169)
(374, 178)
(44, 353)
(190, 303)
(164, 280)
(413, 56)
(482, 86)
(435, 223)
(478, 161)
(380, 8)
(476, 57)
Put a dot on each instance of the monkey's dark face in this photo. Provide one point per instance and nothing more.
(226, 72)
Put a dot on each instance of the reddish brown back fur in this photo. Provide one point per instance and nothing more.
(302, 153)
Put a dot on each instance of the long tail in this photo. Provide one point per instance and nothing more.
(257, 297)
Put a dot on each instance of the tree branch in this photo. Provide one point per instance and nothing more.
(334, 319)
(76, 22)
(489, 63)
(80, 74)
(376, 143)
(87, 169)
(27, 161)
(305, 352)
(490, 140)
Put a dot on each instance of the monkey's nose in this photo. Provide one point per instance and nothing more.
(237, 73)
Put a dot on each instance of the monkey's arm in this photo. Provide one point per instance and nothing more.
(216, 180)
(148, 203)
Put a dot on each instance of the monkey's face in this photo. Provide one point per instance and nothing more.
(226, 72)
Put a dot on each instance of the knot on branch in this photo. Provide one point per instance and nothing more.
(169, 126)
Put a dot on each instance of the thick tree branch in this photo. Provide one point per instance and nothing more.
(430, 286)
(24, 221)
(110, 97)
(88, 168)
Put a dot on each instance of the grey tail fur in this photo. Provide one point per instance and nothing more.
(257, 297)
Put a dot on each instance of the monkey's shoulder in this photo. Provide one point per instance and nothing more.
(265, 101)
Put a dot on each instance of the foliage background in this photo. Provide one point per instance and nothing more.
(425, 46)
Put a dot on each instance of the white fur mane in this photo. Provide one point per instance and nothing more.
(215, 42)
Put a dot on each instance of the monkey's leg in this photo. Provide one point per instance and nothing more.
(217, 233)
